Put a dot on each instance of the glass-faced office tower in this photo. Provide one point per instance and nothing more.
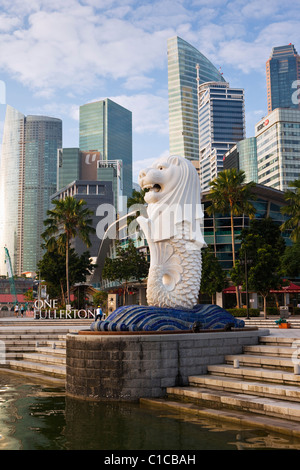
(183, 101)
(106, 127)
(221, 125)
(283, 70)
(27, 181)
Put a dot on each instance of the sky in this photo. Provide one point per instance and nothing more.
(58, 55)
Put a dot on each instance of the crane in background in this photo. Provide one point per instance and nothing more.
(10, 274)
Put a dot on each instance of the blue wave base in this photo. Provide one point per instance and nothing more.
(148, 318)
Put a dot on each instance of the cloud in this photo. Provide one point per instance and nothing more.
(248, 56)
(53, 50)
(139, 82)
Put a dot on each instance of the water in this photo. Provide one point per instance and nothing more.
(35, 417)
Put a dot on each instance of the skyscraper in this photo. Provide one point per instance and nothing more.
(74, 165)
(28, 179)
(221, 125)
(106, 127)
(278, 148)
(243, 156)
(183, 102)
(283, 70)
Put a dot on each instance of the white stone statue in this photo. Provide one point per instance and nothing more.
(173, 232)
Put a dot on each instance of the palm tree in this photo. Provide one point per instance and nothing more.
(137, 197)
(136, 202)
(292, 196)
(68, 219)
(230, 195)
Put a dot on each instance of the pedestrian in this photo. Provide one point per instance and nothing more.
(16, 310)
(22, 310)
(99, 313)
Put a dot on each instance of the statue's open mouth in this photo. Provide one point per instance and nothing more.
(153, 187)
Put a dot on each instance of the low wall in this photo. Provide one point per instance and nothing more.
(131, 366)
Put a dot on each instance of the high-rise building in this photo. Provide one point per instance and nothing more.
(243, 156)
(221, 125)
(106, 127)
(183, 101)
(94, 193)
(74, 165)
(28, 179)
(278, 148)
(283, 72)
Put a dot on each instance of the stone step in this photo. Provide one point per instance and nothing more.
(269, 350)
(36, 377)
(55, 370)
(45, 358)
(278, 341)
(34, 331)
(260, 388)
(59, 350)
(261, 361)
(270, 323)
(235, 417)
(247, 403)
(30, 336)
(255, 373)
(33, 343)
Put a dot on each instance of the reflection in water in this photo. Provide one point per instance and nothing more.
(33, 417)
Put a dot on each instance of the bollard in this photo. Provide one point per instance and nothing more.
(296, 369)
(236, 363)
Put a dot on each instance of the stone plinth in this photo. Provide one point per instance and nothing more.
(128, 366)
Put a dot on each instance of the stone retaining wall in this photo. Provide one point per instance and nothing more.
(129, 367)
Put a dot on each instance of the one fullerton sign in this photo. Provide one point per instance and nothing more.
(46, 309)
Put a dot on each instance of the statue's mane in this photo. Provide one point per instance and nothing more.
(182, 206)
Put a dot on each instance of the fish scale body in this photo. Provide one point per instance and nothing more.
(175, 274)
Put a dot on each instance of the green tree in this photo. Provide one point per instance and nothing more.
(28, 296)
(137, 197)
(68, 219)
(213, 278)
(290, 261)
(292, 210)
(100, 298)
(52, 268)
(230, 194)
(262, 246)
(129, 264)
(136, 202)
(265, 274)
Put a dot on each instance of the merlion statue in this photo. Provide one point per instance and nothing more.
(172, 228)
(173, 232)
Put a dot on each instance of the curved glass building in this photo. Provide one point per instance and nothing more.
(183, 100)
(28, 179)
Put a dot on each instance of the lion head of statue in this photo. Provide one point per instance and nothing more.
(173, 196)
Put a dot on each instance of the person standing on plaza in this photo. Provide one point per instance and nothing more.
(99, 313)
(16, 310)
